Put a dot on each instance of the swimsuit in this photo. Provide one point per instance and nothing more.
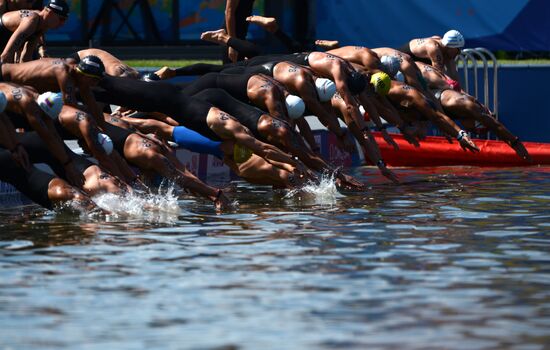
(159, 97)
(246, 114)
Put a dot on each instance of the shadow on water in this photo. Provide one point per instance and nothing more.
(451, 258)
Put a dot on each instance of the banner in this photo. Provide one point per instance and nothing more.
(130, 21)
(196, 17)
(513, 25)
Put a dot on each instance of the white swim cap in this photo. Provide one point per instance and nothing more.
(3, 102)
(453, 39)
(390, 64)
(325, 89)
(51, 103)
(399, 76)
(295, 106)
(105, 142)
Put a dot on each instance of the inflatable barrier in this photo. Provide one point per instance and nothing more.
(437, 151)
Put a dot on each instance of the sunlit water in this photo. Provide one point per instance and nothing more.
(451, 258)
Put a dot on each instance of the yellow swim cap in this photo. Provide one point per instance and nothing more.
(381, 82)
(241, 154)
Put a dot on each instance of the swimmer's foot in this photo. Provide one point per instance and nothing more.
(268, 23)
(165, 73)
(219, 36)
(327, 44)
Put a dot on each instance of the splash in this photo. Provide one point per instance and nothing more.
(324, 192)
(161, 206)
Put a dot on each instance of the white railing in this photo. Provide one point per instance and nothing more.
(470, 60)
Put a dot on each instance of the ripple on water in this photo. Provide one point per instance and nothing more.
(490, 199)
(440, 247)
(463, 214)
(402, 203)
(179, 229)
(506, 233)
(477, 263)
(421, 216)
(16, 245)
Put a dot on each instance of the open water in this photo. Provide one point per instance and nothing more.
(453, 258)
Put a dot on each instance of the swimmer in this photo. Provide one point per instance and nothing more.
(271, 130)
(113, 66)
(299, 81)
(57, 75)
(466, 108)
(45, 189)
(260, 90)
(20, 31)
(14, 5)
(22, 102)
(151, 156)
(241, 160)
(407, 99)
(192, 113)
(96, 179)
(438, 51)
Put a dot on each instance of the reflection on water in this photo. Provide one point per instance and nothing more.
(454, 258)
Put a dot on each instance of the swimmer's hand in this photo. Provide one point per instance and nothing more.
(387, 172)
(349, 182)
(389, 140)
(221, 201)
(521, 151)
(138, 185)
(467, 144)
(409, 135)
(302, 172)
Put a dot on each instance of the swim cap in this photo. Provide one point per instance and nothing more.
(149, 77)
(325, 89)
(3, 102)
(295, 106)
(60, 7)
(381, 82)
(390, 64)
(356, 82)
(241, 153)
(91, 66)
(453, 39)
(105, 142)
(399, 76)
(51, 103)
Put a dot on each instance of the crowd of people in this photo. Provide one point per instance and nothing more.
(248, 112)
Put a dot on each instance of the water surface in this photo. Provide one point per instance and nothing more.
(454, 258)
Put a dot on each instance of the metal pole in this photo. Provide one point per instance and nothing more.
(462, 58)
(485, 76)
(495, 78)
(467, 53)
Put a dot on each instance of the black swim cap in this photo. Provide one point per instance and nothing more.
(357, 82)
(60, 7)
(91, 66)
